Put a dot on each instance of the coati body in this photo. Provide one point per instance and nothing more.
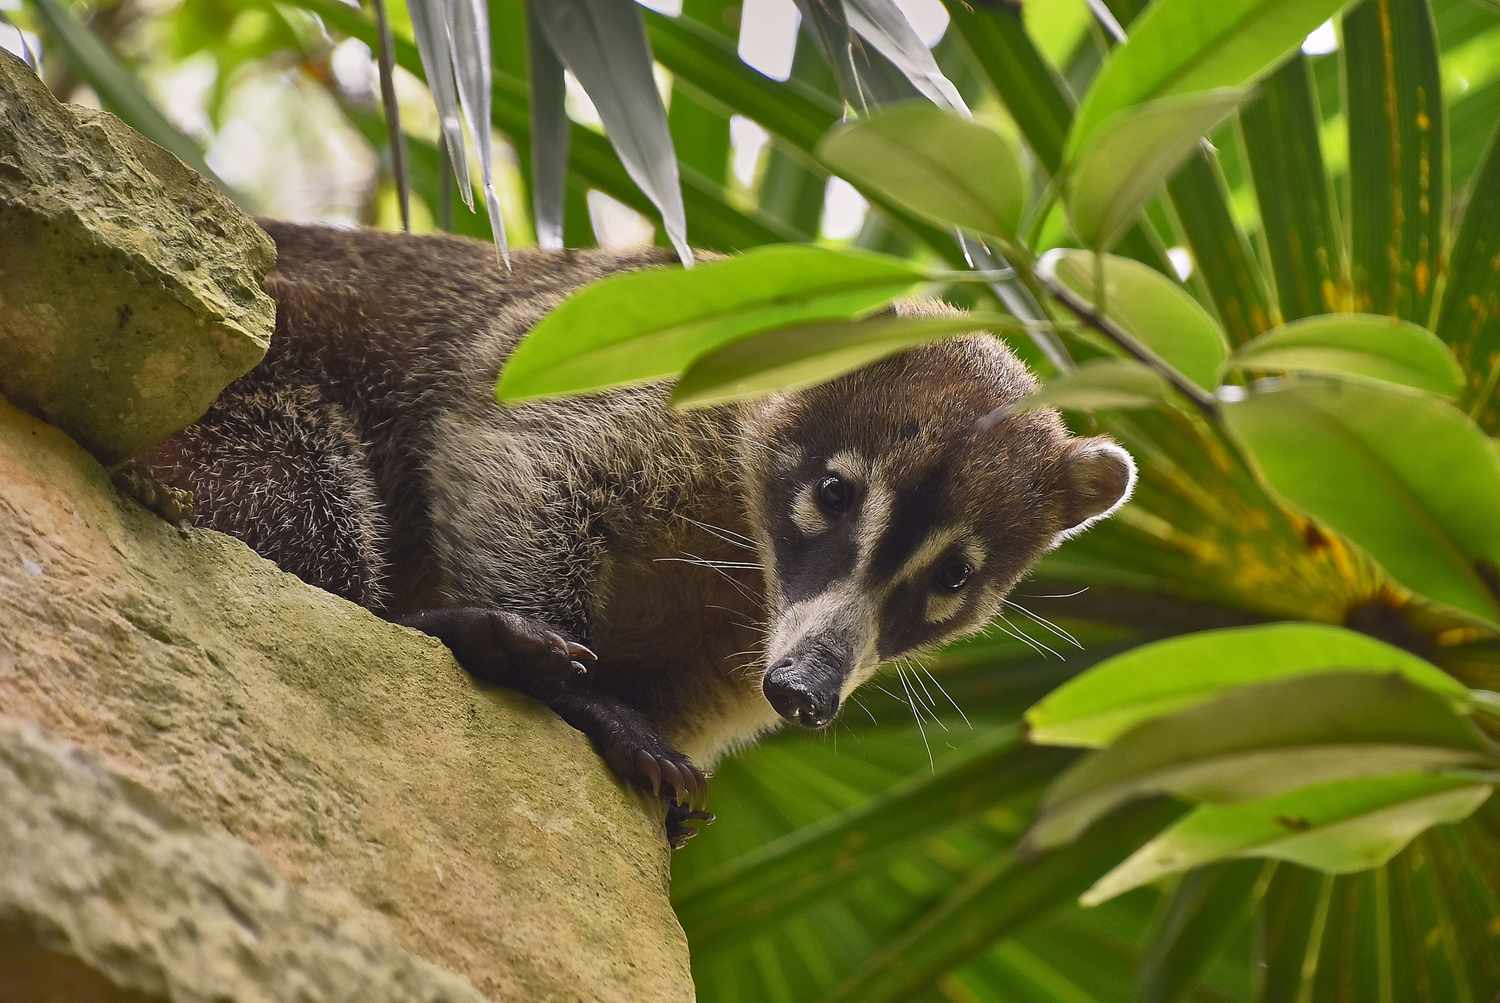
(671, 583)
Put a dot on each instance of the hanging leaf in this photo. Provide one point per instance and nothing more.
(1101, 385)
(1155, 310)
(1380, 348)
(430, 27)
(1168, 676)
(882, 24)
(604, 44)
(1263, 740)
(649, 324)
(937, 164)
(469, 35)
(549, 136)
(1403, 475)
(1128, 159)
(1347, 825)
(1185, 48)
(791, 358)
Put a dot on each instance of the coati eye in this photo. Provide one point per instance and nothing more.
(834, 494)
(954, 575)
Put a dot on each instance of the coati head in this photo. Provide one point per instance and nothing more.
(895, 507)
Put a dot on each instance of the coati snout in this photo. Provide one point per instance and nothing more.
(670, 583)
(897, 507)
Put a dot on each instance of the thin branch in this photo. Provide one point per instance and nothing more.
(393, 114)
(1132, 347)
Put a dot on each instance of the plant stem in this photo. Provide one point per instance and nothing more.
(1132, 347)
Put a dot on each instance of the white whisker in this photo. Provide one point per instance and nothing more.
(946, 695)
(1054, 628)
(1038, 646)
(911, 702)
(1060, 595)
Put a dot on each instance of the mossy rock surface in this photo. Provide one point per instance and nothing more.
(469, 828)
(130, 288)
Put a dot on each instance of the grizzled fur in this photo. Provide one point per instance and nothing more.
(367, 455)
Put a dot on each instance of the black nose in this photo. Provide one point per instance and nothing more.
(790, 692)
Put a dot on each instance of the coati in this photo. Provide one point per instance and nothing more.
(673, 584)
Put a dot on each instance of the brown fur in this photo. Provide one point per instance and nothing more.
(367, 455)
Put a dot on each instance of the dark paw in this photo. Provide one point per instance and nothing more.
(656, 767)
(503, 648)
(685, 823)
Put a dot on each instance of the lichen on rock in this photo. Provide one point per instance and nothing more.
(130, 288)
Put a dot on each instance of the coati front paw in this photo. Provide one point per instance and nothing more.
(506, 649)
(632, 748)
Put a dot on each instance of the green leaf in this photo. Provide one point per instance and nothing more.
(549, 135)
(650, 324)
(1205, 908)
(1036, 97)
(1167, 676)
(1403, 475)
(802, 355)
(1099, 385)
(604, 44)
(1381, 348)
(1301, 230)
(1150, 306)
(994, 900)
(1262, 740)
(755, 890)
(1469, 316)
(1187, 47)
(118, 89)
(1398, 182)
(1123, 164)
(1222, 254)
(1347, 825)
(935, 163)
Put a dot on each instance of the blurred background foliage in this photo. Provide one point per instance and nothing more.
(878, 860)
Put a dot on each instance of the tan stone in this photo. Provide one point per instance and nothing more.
(130, 288)
(471, 828)
(118, 901)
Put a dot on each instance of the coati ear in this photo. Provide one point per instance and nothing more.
(1098, 477)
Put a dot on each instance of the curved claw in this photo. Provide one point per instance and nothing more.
(647, 765)
(579, 669)
(672, 777)
(579, 652)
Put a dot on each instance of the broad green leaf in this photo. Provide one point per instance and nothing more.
(790, 358)
(1223, 261)
(1381, 348)
(1398, 181)
(1157, 679)
(935, 163)
(1403, 475)
(1126, 161)
(118, 89)
(1036, 97)
(1469, 315)
(603, 43)
(1100, 385)
(993, 900)
(1265, 739)
(1150, 306)
(1187, 47)
(1347, 825)
(1299, 224)
(647, 325)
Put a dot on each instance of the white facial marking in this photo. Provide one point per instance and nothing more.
(806, 516)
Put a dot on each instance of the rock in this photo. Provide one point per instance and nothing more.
(130, 288)
(471, 828)
(119, 900)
